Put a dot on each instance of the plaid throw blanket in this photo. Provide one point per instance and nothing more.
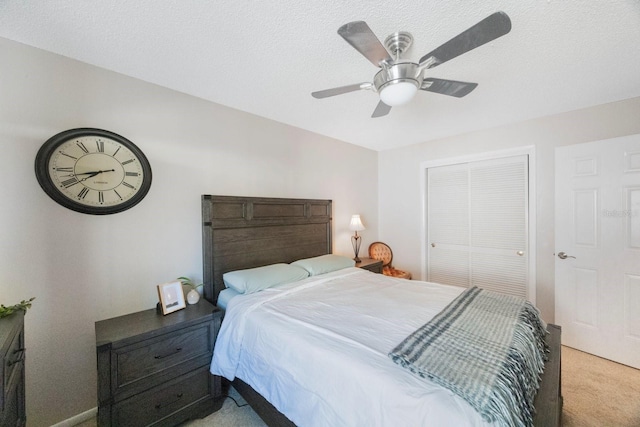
(486, 347)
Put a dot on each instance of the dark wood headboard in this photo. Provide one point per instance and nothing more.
(247, 232)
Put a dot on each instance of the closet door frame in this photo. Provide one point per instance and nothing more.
(529, 151)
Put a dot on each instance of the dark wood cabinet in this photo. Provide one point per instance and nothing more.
(153, 370)
(374, 265)
(12, 366)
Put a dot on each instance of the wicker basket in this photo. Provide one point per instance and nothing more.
(381, 251)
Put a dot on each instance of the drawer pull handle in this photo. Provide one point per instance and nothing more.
(178, 350)
(178, 397)
(19, 359)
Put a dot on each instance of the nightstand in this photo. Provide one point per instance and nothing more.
(374, 265)
(154, 369)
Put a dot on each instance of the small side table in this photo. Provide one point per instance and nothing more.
(373, 265)
(155, 369)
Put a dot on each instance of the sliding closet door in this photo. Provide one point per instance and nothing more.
(477, 224)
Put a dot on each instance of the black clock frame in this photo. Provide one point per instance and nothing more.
(44, 179)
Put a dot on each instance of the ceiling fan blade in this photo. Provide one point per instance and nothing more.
(340, 90)
(488, 29)
(448, 87)
(359, 35)
(381, 110)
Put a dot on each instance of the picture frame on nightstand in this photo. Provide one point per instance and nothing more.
(171, 297)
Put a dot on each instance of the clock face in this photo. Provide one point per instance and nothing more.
(93, 171)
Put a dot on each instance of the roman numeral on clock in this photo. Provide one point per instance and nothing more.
(82, 147)
(83, 193)
(69, 182)
(65, 154)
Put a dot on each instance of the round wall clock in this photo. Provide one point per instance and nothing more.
(93, 171)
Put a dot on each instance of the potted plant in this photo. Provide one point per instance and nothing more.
(22, 305)
(193, 296)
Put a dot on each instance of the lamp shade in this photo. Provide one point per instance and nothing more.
(399, 92)
(356, 223)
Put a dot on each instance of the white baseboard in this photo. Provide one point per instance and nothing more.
(77, 419)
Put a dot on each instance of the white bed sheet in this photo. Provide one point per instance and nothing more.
(317, 350)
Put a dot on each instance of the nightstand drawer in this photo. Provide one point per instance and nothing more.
(157, 404)
(139, 361)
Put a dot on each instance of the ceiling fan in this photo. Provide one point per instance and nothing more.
(399, 80)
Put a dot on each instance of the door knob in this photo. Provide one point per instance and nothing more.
(562, 255)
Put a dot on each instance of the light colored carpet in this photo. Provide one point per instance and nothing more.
(230, 415)
(596, 392)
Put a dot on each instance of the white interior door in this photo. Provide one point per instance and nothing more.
(597, 264)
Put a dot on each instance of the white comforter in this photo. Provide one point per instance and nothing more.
(317, 350)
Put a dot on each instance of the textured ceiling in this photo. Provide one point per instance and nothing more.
(266, 57)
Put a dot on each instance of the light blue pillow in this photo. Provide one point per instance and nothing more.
(324, 264)
(259, 278)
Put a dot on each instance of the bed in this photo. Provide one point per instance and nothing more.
(247, 232)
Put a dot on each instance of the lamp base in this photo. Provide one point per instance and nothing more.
(355, 242)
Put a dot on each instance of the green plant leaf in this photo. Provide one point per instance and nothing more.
(188, 282)
(22, 305)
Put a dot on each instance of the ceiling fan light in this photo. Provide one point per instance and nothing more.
(398, 92)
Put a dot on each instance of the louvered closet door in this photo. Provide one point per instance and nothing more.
(477, 224)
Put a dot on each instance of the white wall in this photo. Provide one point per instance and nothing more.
(400, 206)
(84, 268)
